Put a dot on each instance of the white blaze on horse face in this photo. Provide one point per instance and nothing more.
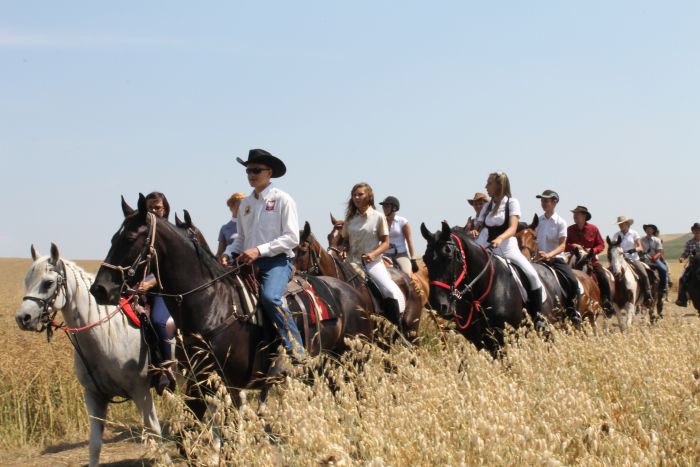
(616, 258)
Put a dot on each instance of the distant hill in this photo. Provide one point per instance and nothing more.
(674, 244)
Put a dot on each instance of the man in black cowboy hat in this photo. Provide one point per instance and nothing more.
(692, 247)
(653, 256)
(268, 232)
(586, 237)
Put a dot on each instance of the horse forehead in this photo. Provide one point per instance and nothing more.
(37, 271)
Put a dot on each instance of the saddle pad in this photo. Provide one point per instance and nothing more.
(128, 310)
(312, 303)
(516, 276)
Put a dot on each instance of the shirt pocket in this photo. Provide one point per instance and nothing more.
(269, 220)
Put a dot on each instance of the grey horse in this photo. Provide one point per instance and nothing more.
(111, 360)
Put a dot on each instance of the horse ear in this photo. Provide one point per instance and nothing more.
(178, 222)
(188, 218)
(306, 232)
(535, 222)
(35, 254)
(470, 224)
(126, 209)
(143, 205)
(607, 240)
(427, 234)
(333, 219)
(54, 254)
(446, 230)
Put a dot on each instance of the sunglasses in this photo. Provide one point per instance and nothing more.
(255, 170)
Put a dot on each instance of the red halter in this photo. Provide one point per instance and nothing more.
(455, 293)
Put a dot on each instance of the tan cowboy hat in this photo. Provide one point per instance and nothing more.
(479, 197)
(621, 219)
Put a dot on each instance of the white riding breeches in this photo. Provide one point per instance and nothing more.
(388, 288)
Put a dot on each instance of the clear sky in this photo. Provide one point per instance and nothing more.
(598, 100)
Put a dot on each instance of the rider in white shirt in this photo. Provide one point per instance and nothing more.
(631, 246)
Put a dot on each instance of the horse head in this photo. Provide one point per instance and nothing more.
(306, 254)
(616, 256)
(335, 237)
(129, 255)
(443, 260)
(44, 283)
(192, 231)
(527, 238)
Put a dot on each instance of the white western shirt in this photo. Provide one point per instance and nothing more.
(549, 231)
(629, 241)
(268, 223)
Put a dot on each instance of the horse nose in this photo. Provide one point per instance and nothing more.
(100, 293)
(23, 319)
(444, 309)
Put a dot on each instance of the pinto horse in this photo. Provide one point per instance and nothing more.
(589, 304)
(470, 285)
(410, 318)
(628, 296)
(204, 302)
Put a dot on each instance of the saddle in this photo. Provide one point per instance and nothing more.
(307, 298)
(520, 278)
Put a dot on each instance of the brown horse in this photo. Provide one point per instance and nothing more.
(589, 303)
(414, 289)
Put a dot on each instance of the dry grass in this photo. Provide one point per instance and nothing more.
(615, 399)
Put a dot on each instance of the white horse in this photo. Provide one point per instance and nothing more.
(111, 360)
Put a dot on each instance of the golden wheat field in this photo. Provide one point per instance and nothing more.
(582, 399)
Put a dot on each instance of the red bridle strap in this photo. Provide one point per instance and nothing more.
(476, 304)
(462, 275)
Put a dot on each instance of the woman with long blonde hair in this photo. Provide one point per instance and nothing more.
(501, 217)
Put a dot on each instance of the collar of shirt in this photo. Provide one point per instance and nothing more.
(263, 194)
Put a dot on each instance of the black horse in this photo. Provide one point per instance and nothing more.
(206, 306)
(693, 280)
(469, 284)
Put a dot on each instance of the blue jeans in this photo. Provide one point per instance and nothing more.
(159, 317)
(275, 273)
(662, 268)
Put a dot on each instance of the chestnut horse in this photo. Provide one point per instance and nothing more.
(312, 258)
(419, 279)
(589, 303)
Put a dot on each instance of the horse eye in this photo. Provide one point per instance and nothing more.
(48, 283)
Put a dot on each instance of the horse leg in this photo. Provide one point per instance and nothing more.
(97, 410)
(144, 401)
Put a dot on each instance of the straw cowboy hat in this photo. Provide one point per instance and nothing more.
(622, 219)
(584, 210)
(478, 196)
(260, 156)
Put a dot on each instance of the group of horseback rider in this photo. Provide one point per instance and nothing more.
(264, 230)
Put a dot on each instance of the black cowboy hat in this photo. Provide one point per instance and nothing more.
(656, 229)
(695, 227)
(584, 210)
(549, 194)
(391, 200)
(260, 156)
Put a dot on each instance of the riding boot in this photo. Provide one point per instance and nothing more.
(166, 380)
(393, 313)
(534, 308)
(682, 293)
(572, 312)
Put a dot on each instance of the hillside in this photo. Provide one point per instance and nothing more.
(674, 244)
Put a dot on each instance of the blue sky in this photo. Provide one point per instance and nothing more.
(597, 100)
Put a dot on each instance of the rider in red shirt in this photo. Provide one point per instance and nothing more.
(587, 237)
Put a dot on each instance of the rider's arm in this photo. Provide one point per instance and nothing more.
(409, 239)
(377, 252)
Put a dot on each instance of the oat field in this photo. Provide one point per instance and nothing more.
(583, 399)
